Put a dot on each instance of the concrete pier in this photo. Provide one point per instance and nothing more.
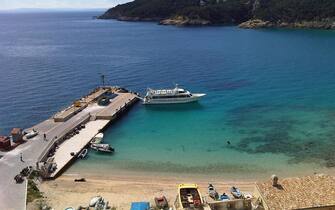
(121, 102)
(75, 144)
(96, 119)
(37, 149)
(79, 105)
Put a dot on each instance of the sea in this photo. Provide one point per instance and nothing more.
(269, 108)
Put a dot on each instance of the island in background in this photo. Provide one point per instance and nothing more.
(245, 13)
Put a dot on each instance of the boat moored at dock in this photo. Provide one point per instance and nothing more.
(97, 139)
(171, 96)
(83, 153)
(102, 148)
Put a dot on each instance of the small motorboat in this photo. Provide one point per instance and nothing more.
(212, 192)
(97, 139)
(94, 201)
(161, 202)
(31, 134)
(101, 205)
(224, 197)
(83, 154)
(247, 196)
(236, 192)
(102, 148)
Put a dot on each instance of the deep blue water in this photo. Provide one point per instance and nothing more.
(269, 92)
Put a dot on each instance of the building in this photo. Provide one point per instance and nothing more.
(16, 134)
(4, 143)
(310, 192)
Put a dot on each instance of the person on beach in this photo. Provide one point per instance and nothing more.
(21, 158)
(44, 137)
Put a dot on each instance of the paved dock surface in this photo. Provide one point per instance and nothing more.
(117, 103)
(64, 115)
(76, 144)
(12, 195)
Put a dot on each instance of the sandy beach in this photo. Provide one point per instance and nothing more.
(120, 191)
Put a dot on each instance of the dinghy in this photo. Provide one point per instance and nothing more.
(101, 205)
(224, 197)
(97, 139)
(212, 192)
(236, 192)
(83, 153)
(161, 202)
(94, 201)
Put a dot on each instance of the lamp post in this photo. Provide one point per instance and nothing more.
(103, 80)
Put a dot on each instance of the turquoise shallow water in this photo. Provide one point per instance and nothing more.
(269, 92)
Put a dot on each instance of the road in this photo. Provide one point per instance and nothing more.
(12, 195)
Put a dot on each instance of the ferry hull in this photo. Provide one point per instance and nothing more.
(195, 97)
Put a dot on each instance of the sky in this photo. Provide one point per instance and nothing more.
(58, 4)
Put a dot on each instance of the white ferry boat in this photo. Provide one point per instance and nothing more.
(171, 96)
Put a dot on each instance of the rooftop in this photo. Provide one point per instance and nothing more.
(295, 193)
(16, 131)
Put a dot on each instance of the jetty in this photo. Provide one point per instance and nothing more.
(79, 123)
(66, 132)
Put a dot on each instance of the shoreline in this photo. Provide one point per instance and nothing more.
(181, 21)
(121, 188)
(120, 191)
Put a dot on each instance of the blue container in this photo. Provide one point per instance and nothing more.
(140, 206)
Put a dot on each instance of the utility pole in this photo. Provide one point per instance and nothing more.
(103, 80)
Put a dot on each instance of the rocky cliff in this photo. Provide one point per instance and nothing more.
(245, 13)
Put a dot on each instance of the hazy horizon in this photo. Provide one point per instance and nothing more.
(10, 5)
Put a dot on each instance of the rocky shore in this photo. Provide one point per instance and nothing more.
(251, 14)
(257, 23)
(185, 21)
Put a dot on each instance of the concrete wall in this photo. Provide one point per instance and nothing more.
(238, 204)
(332, 207)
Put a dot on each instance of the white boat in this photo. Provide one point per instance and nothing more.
(102, 148)
(83, 154)
(171, 96)
(94, 200)
(97, 139)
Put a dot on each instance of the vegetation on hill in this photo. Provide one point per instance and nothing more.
(294, 10)
(266, 12)
(148, 9)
